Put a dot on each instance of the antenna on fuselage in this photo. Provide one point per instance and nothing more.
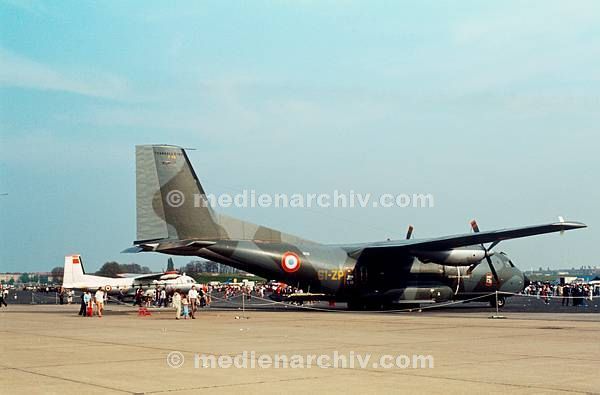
(409, 232)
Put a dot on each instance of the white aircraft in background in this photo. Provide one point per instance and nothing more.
(74, 277)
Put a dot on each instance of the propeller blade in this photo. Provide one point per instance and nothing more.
(493, 269)
(494, 244)
(475, 228)
(410, 232)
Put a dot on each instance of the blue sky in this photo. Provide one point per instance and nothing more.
(491, 106)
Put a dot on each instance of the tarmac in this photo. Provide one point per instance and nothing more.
(49, 349)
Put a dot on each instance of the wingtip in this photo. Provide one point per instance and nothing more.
(568, 225)
(132, 250)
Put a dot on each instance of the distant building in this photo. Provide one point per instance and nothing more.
(6, 277)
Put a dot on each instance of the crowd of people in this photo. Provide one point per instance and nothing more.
(577, 294)
(62, 293)
(186, 304)
(91, 305)
(159, 297)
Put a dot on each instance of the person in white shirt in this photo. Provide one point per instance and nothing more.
(163, 298)
(177, 304)
(99, 297)
(193, 299)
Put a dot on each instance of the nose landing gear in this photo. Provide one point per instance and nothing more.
(498, 301)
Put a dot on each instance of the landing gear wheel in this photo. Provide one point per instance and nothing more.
(373, 306)
(501, 301)
(355, 305)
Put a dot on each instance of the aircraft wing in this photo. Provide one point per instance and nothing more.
(469, 239)
(127, 275)
(149, 276)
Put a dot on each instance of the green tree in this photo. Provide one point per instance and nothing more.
(212, 267)
(130, 268)
(110, 269)
(24, 278)
(170, 265)
(11, 281)
(57, 274)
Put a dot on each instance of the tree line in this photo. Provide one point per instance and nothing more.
(207, 267)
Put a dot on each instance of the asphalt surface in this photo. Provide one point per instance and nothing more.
(48, 349)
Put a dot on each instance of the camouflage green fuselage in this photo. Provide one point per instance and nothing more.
(344, 273)
(175, 217)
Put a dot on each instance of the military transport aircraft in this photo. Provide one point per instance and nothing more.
(74, 277)
(174, 217)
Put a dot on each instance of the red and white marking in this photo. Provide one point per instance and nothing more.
(290, 262)
(489, 280)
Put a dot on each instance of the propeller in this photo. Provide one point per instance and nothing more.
(409, 232)
(488, 258)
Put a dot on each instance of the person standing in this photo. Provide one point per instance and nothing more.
(177, 304)
(565, 295)
(544, 294)
(138, 297)
(99, 298)
(87, 299)
(2, 298)
(163, 298)
(185, 303)
(583, 293)
(83, 306)
(193, 301)
(575, 295)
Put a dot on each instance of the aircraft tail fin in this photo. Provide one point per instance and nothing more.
(73, 271)
(171, 203)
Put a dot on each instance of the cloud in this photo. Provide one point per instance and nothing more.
(21, 72)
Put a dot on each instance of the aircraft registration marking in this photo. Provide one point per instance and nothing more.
(333, 275)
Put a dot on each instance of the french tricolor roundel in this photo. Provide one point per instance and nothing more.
(290, 262)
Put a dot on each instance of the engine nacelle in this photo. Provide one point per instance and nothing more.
(458, 257)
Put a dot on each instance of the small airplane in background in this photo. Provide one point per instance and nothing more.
(74, 277)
